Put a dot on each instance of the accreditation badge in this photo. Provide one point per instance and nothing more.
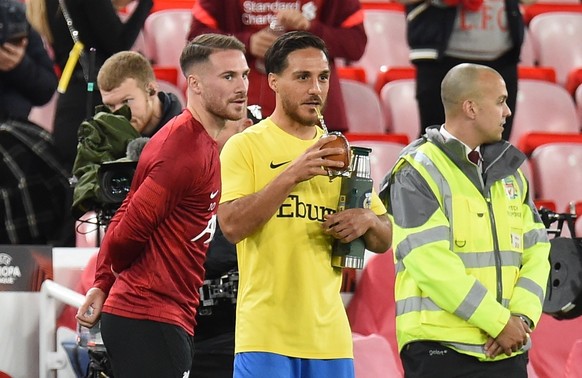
(516, 239)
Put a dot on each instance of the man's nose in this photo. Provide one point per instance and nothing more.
(315, 87)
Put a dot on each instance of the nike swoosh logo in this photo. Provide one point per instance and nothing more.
(213, 194)
(273, 165)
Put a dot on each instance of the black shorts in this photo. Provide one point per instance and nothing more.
(144, 348)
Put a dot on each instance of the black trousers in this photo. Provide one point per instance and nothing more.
(426, 359)
(209, 365)
(430, 74)
(143, 348)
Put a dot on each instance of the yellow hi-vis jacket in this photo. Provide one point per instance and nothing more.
(470, 249)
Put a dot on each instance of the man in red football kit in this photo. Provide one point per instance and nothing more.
(150, 265)
(257, 23)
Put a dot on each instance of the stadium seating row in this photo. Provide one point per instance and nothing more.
(550, 42)
(396, 104)
(553, 170)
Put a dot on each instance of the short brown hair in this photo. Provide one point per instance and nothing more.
(125, 65)
(200, 48)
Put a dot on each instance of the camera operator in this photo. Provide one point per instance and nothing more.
(27, 77)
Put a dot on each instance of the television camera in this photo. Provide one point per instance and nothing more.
(114, 180)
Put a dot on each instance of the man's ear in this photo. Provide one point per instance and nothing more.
(272, 79)
(470, 108)
(194, 84)
(152, 88)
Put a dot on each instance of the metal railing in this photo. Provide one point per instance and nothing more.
(49, 359)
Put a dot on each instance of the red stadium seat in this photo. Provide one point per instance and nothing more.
(532, 10)
(165, 34)
(528, 56)
(552, 343)
(574, 80)
(573, 364)
(400, 107)
(374, 358)
(393, 73)
(385, 137)
(363, 108)
(530, 141)
(382, 5)
(534, 100)
(387, 46)
(537, 73)
(557, 39)
(578, 96)
(166, 73)
(557, 173)
(172, 4)
(372, 309)
(352, 73)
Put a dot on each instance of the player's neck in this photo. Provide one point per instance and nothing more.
(211, 123)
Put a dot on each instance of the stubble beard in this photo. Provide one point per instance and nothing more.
(293, 111)
(223, 111)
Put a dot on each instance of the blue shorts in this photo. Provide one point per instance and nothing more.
(262, 364)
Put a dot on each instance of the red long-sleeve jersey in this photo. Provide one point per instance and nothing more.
(340, 23)
(158, 238)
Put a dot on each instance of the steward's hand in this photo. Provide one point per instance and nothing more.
(513, 336)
